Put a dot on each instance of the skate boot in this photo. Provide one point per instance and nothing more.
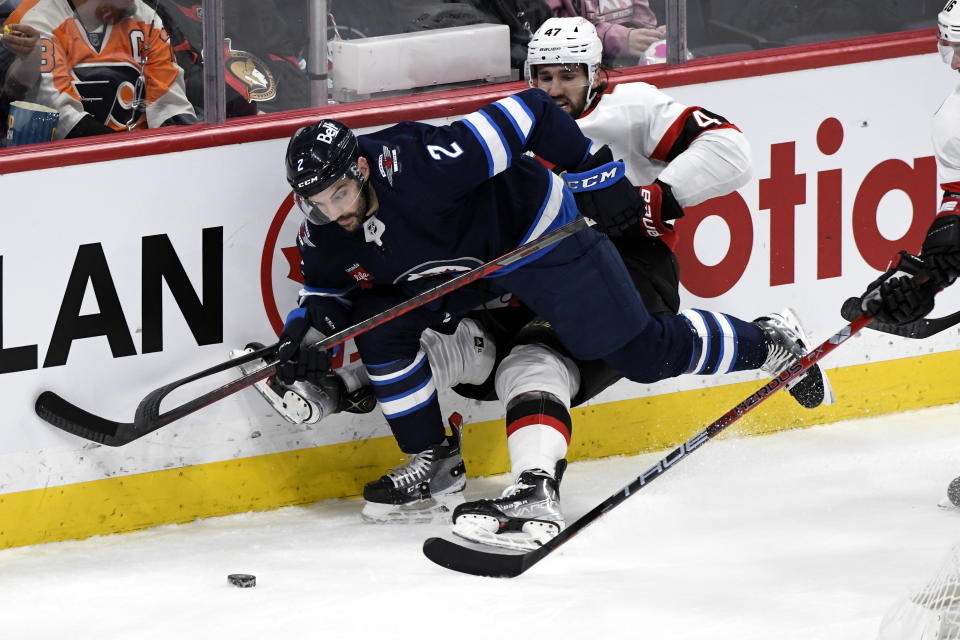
(302, 402)
(423, 489)
(787, 343)
(524, 517)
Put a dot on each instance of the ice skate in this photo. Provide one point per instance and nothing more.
(301, 402)
(524, 517)
(424, 489)
(787, 343)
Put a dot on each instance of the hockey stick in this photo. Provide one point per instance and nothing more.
(72, 419)
(508, 565)
(918, 329)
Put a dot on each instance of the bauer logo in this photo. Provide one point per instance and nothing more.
(280, 277)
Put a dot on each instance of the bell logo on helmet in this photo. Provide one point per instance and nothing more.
(329, 132)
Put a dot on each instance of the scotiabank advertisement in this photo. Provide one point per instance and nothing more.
(118, 277)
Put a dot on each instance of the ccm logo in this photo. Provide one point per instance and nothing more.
(591, 181)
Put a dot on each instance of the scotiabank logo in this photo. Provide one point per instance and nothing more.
(280, 277)
(780, 197)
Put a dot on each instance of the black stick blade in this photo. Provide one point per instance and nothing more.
(917, 330)
(475, 562)
(72, 419)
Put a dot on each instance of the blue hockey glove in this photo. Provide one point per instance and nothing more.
(604, 194)
(903, 293)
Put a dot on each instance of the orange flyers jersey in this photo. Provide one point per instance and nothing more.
(100, 74)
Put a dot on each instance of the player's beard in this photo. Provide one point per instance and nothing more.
(352, 221)
(574, 107)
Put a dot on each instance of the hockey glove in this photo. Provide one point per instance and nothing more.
(661, 209)
(295, 360)
(903, 293)
(604, 194)
(941, 248)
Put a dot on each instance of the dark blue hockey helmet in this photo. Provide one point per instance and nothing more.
(319, 155)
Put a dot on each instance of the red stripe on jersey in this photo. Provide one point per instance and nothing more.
(670, 137)
(950, 186)
(539, 419)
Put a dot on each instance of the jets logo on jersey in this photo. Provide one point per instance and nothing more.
(388, 164)
(437, 268)
(361, 275)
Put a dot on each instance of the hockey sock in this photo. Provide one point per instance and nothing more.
(408, 398)
(723, 343)
(538, 431)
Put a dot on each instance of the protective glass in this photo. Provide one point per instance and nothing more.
(331, 203)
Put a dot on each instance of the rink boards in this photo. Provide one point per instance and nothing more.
(147, 268)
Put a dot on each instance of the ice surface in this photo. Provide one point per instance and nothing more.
(808, 534)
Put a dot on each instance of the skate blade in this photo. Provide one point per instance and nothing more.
(791, 317)
(291, 406)
(530, 539)
(436, 510)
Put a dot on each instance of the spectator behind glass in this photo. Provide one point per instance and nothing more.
(19, 67)
(263, 54)
(106, 66)
(626, 28)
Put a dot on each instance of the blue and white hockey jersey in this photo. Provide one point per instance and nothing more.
(450, 197)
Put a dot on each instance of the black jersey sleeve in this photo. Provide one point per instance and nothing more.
(327, 283)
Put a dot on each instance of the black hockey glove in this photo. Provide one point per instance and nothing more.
(941, 249)
(296, 360)
(604, 194)
(903, 293)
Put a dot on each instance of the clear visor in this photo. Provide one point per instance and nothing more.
(947, 49)
(331, 203)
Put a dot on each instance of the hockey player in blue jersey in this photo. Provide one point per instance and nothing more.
(412, 202)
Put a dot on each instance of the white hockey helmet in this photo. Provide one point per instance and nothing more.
(948, 26)
(566, 41)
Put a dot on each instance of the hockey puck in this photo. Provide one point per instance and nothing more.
(242, 580)
(953, 492)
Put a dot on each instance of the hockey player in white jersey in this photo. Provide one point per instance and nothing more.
(682, 155)
(905, 292)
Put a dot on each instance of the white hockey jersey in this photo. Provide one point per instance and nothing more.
(699, 154)
(946, 142)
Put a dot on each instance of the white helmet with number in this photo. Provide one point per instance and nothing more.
(566, 41)
(948, 24)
